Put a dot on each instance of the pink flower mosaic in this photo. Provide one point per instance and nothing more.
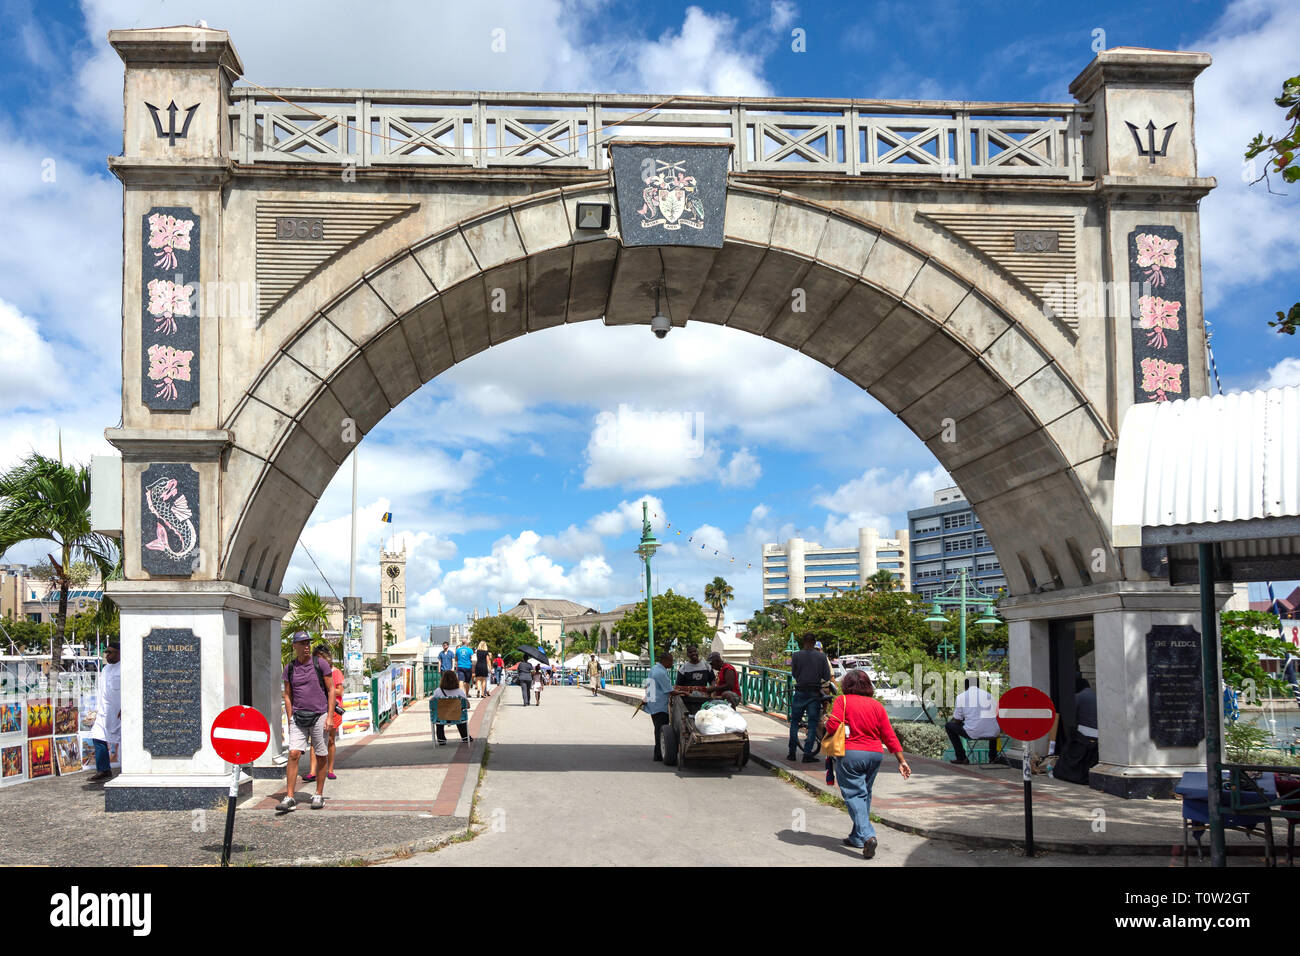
(167, 300)
(1154, 254)
(1157, 315)
(168, 366)
(166, 234)
(1159, 377)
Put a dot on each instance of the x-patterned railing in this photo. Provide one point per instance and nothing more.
(955, 141)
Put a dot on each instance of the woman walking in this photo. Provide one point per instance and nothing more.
(449, 686)
(481, 669)
(336, 719)
(593, 674)
(538, 681)
(868, 734)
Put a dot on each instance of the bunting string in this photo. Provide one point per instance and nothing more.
(690, 539)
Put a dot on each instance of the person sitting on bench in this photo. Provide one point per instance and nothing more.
(974, 718)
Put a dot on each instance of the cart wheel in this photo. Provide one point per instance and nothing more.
(817, 745)
(668, 741)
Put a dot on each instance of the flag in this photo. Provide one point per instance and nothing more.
(388, 517)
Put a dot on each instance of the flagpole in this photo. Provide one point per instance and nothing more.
(352, 563)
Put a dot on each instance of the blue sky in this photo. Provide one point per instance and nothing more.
(503, 477)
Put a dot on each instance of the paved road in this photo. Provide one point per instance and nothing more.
(571, 783)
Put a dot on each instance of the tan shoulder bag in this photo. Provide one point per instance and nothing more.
(833, 744)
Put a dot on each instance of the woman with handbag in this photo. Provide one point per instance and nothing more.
(857, 733)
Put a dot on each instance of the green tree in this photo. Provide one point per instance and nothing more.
(390, 636)
(45, 500)
(717, 593)
(1283, 161)
(503, 634)
(307, 612)
(679, 620)
(576, 642)
(883, 580)
(1246, 635)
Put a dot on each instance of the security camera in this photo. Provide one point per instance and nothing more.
(660, 325)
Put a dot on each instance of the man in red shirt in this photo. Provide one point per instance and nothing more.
(728, 678)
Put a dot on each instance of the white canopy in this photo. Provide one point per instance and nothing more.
(1222, 469)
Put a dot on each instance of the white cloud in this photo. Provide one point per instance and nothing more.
(517, 567)
(28, 370)
(1285, 372)
(1247, 234)
(743, 471)
(702, 58)
(870, 500)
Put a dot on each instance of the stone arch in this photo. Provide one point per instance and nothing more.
(969, 379)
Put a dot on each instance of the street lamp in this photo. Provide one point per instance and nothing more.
(646, 550)
(968, 594)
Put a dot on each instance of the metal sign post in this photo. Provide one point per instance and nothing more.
(239, 735)
(1026, 714)
(230, 816)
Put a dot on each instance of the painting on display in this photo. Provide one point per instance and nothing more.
(171, 302)
(12, 764)
(1157, 273)
(89, 706)
(671, 194)
(40, 757)
(169, 517)
(65, 718)
(87, 751)
(68, 751)
(40, 717)
(11, 717)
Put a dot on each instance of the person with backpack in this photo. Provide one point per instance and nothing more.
(309, 702)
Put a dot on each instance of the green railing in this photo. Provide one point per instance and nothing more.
(766, 688)
(431, 677)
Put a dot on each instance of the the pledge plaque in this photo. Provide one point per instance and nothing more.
(172, 693)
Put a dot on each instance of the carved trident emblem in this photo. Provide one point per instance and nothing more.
(171, 133)
(1150, 151)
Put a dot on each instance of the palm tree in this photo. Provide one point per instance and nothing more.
(307, 612)
(883, 580)
(717, 593)
(45, 500)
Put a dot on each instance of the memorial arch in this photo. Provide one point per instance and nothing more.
(298, 262)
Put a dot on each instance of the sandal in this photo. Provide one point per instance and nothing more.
(309, 778)
(330, 776)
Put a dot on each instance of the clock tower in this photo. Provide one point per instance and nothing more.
(392, 596)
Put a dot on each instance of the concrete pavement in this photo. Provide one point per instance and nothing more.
(571, 783)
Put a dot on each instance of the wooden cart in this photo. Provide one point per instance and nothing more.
(682, 740)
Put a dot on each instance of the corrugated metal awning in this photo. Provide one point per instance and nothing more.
(1222, 469)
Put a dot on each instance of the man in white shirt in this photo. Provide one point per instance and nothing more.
(108, 714)
(974, 718)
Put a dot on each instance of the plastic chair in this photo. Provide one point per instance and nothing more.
(446, 711)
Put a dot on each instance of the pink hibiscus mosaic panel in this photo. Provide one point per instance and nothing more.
(1157, 259)
(170, 307)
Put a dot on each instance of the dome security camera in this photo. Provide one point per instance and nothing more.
(660, 325)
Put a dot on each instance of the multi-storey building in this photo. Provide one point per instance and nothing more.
(946, 537)
(807, 571)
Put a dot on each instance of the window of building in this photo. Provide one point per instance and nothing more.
(927, 548)
(981, 540)
(890, 564)
(957, 544)
(962, 520)
(988, 565)
(926, 525)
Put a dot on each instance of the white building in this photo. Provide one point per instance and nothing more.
(807, 571)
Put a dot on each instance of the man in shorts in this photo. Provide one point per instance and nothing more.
(309, 704)
(464, 664)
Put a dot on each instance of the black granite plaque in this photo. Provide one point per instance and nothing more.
(172, 693)
(670, 194)
(1159, 313)
(171, 299)
(1175, 692)
(169, 519)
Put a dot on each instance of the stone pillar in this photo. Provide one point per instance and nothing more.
(1132, 763)
(868, 563)
(180, 668)
(794, 553)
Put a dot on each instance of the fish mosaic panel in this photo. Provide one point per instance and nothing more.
(169, 520)
(171, 300)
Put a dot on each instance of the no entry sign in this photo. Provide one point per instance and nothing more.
(240, 735)
(1025, 713)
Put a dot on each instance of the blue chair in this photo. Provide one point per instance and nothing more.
(1196, 811)
(445, 711)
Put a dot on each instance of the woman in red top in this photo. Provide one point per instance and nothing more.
(336, 720)
(868, 735)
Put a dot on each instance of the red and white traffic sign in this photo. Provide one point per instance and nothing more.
(240, 735)
(1025, 713)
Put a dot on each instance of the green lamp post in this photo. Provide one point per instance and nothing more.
(967, 595)
(646, 549)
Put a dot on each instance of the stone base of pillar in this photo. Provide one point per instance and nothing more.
(1139, 782)
(1122, 615)
(188, 791)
